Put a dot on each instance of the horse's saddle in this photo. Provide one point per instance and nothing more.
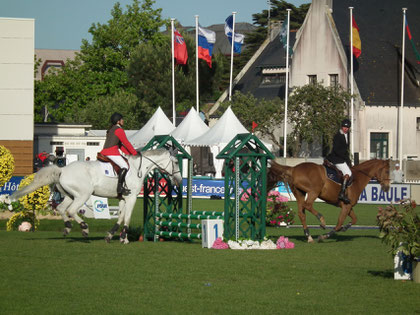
(334, 174)
(102, 158)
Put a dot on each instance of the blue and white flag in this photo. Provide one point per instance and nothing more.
(239, 38)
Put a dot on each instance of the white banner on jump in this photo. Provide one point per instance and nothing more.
(372, 194)
(375, 195)
(100, 207)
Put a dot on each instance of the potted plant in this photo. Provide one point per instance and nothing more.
(400, 228)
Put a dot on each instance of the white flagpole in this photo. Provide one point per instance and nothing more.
(173, 72)
(196, 64)
(286, 87)
(231, 56)
(351, 81)
(402, 88)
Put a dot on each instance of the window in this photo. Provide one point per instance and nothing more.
(418, 123)
(379, 145)
(270, 79)
(96, 144)
(334, 80)
(312, 79)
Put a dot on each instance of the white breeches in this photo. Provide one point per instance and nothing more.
(344, 168)
(118, 159)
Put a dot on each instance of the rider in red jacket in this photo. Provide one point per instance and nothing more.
(116, 140)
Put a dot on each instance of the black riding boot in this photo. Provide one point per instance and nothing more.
(342, 195)
(121, 180)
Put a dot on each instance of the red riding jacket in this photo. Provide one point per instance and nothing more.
(116, 139)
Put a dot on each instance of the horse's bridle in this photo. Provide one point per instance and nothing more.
(163, 170)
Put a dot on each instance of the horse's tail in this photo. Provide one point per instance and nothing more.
(278, 173)
(45, 176)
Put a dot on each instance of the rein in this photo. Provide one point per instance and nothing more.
(163, 170)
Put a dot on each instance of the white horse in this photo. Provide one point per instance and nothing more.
(79, 180)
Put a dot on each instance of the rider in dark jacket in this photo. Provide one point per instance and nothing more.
(340, 156)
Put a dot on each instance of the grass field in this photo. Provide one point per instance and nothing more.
(351, 273)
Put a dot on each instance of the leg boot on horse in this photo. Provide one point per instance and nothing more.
(121, 190)
(342, 195)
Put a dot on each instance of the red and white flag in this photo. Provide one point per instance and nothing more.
(180, 48)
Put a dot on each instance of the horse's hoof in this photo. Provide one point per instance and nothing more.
(124, 241)
(321, 238)
(107, 239)
(66, 231)
(85, 233)
(310, 239)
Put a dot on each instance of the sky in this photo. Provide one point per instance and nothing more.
(62, 24)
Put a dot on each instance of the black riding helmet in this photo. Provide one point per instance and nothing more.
(346, 123)
(115, 118)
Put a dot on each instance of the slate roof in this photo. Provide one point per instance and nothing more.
(378, 70)
(273, 56)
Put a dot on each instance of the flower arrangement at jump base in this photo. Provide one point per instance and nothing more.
(277, 212)
(281, 243)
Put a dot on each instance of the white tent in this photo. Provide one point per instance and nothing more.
(218, 136)
(192, 126)
(159, 124)
(226, 128)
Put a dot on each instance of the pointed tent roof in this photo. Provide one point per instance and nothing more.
(226, 128)
(192, 126)
(158, 124)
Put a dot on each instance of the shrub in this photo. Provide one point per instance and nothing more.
(7, 165)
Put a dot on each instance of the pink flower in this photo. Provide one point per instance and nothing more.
(283, 242)
(219, 244)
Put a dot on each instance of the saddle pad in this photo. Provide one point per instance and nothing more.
(107, 169)
(333, 175)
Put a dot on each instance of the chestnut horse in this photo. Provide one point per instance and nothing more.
(310, 180)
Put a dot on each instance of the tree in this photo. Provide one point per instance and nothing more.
(315, 112)
(150, 76)
(100, 68)
(268, 114)
(122, 101)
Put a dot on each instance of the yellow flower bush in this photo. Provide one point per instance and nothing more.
(36, 200)
(30, 204)
(7, 165)
(19, 217)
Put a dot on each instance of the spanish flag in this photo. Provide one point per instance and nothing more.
(357, 44)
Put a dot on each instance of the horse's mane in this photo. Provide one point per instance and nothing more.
(368, 164)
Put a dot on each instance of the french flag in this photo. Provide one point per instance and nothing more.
(206, 40)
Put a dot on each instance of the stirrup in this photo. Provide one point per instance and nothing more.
(124, 191)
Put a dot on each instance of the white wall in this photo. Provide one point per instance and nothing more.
(385, 119)
(316, 52)
(17, 79)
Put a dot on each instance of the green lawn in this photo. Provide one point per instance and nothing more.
(351, 273)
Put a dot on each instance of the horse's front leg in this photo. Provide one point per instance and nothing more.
(345, 210)
(116, 227)
(130, 202)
